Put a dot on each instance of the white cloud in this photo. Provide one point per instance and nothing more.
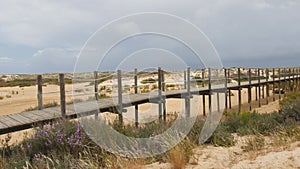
(5, 59)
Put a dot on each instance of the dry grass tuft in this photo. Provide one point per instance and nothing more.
(177, 158)
(254, 143)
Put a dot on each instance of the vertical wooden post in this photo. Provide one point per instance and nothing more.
(40, 92)
(239, 91)
(218, 94)
(226, 91)
(279, 82)
(284, 86)
(62, 95)
(293, 75)
(136, 106)
(289, 79)
(296, 79)
(188, 97)
(263, 86)
(229, 91)
(120, 99)
(96, 85)
(184, 82)
(249, 89)
(159, 94)
(96, 90)
(209, 90)
(259, 89)
(256, 87)
(298, 75)
(203, 96)
(273, 90)
(164, 101)
(267, 85)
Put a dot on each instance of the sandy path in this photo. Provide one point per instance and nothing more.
(210, 157)
(22, 98)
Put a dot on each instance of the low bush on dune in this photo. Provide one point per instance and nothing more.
(64, 144)
(30, 82)
(18, 82)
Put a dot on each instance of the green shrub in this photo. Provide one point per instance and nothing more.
(149, 80)
(247, 123)
(18, 82)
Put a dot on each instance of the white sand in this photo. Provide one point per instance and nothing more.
(210, 157)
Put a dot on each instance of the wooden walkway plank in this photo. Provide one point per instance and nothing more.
(21, 119)
(3, 125)
(32, 115)
(9, 122)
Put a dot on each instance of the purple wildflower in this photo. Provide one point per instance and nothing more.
(37, 156)
(29, 145)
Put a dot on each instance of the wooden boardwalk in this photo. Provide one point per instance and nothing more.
(25, 120)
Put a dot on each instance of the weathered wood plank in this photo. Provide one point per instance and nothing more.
(21, 119)
(9, 122)
(3, 126)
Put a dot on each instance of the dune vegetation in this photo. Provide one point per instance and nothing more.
(64, 144)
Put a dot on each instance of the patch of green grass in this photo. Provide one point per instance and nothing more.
(247, 123)
(290, 98)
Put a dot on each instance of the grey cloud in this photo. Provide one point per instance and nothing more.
(239, 29)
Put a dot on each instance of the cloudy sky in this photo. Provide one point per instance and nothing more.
(39, 36)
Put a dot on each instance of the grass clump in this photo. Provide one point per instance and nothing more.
(254, 143)
(181, 154)
(48, 105)
(247, 123)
